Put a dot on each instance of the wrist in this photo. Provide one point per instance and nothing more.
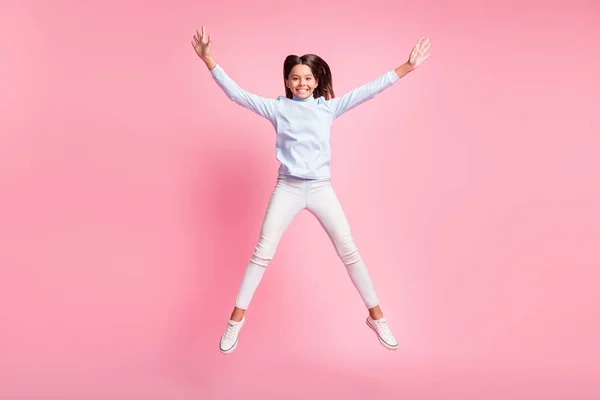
(404, 69)
(210, 61)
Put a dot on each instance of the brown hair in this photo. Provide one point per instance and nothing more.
(319, 69)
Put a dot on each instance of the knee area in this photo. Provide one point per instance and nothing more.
(347, 250)
(263, 252)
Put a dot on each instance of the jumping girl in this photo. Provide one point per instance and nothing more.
(302, 120)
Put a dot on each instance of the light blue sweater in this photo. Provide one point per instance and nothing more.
(303, 126)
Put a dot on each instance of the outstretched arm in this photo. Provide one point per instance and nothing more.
(260, 105)
(368, 91)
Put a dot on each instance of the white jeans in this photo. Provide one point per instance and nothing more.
(289, 197)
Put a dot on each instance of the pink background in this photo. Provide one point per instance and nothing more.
(133, 191)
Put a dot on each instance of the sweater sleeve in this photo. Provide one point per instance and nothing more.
(262, 106)
(340, 105)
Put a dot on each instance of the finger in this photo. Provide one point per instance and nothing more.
(209, 39)
(203, 33)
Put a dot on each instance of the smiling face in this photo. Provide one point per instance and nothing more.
(301, 81)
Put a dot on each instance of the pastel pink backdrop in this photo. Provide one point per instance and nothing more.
(133, 191)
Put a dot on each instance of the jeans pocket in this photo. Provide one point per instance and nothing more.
(288, 185)
(320, 185)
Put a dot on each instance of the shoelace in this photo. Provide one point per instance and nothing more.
(383, 328)
(231, 331)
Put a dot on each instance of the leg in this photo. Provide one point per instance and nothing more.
(323, 203)
(285, 203)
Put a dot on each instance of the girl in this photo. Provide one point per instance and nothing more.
(302, 120)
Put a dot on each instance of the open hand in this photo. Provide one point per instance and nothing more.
(201, 44)
(418, 53)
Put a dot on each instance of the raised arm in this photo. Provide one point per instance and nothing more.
(368, 91)
(260, 105)
(353, 98)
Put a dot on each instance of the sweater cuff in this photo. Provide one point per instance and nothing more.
(216, 70)
(393, 76)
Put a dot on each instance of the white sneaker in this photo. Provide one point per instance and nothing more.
(229, 340)
(384, 334)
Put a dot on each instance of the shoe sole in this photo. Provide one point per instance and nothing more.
(234, 345)
(387, 346)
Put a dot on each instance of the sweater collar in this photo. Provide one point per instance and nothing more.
(309, 99)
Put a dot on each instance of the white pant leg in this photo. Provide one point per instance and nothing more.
(324, 204)
(287, 200)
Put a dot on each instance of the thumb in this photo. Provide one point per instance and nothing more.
(209, 39)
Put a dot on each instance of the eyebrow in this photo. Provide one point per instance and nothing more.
(304, 75)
